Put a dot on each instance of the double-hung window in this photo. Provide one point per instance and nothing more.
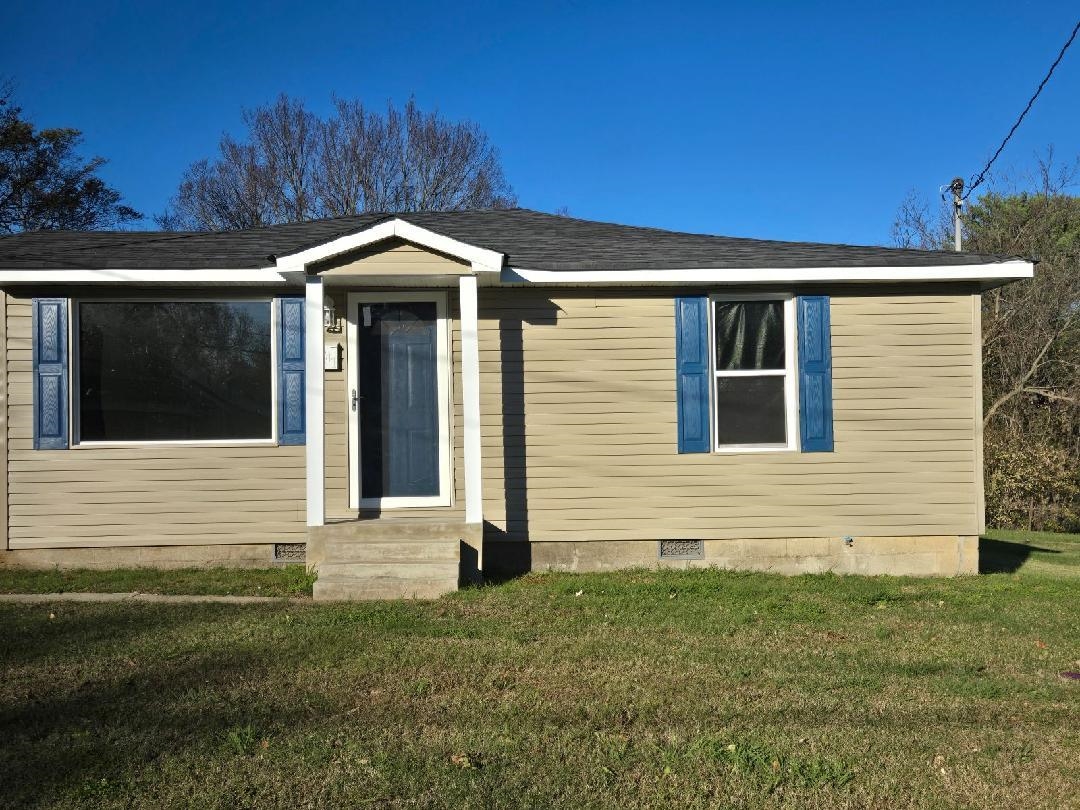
(753, 394)
(173, 371)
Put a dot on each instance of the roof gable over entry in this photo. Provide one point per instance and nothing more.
(479, 258)
(391, 257)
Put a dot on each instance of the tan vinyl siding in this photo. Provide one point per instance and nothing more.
(140, 495)
(338, 411)
(977, 409)
(579, 438)
(393, 257)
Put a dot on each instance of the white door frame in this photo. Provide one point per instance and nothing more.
(442, 349)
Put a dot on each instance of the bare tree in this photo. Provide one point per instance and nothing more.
(286, 140)
(294, 166)
(921, 224)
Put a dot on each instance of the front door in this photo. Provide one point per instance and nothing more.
(398, 370)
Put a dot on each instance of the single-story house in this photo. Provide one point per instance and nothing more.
(412, 399)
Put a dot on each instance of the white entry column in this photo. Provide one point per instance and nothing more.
(313, 399)
(470, 399)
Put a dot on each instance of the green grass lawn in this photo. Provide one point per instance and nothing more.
(658, 689)
(285, 580)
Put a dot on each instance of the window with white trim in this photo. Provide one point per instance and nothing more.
(753, 363)
(173, 371)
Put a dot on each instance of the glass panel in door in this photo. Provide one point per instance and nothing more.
(398, 406)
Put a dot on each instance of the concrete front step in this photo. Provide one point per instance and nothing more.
(389, 558)
(387, 530)
(332, 588)
(377, 551)
(403, 570)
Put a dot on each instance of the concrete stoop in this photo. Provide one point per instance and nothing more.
(384, 559)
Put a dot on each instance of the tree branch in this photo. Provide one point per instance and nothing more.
(1046, 392)
(1019, 387)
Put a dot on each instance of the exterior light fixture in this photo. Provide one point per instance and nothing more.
(330, 318)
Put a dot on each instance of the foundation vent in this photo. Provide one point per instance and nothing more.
(290, 552)
(681, 549)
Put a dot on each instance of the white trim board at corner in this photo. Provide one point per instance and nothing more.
(1000, 272)
(262, 275)
(315, 417)
(470, 399)
(480, 258)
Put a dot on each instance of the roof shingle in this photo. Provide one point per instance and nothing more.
(529, 239)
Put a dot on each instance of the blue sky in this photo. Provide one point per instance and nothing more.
(806, 121)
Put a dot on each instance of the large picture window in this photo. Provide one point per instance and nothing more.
(753, 397)
(174, 371)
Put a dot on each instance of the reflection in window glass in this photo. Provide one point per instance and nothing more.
(749, 335)
(172, 371)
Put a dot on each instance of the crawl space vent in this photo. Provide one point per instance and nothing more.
(681, 549)
(290, 552)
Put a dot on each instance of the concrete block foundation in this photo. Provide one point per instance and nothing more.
(929, 556)
(948, 555)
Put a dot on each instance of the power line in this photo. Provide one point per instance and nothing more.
(976, 182)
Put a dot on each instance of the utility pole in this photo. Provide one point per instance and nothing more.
(957, 189)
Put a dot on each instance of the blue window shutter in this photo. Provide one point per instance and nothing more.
(815, 374)
(50, 352)
(692, 372)
(291, 398)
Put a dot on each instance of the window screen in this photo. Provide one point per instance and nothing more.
(749, 401)
(174, 371)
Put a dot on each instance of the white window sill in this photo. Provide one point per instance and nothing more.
(733, 449)
(178, 443)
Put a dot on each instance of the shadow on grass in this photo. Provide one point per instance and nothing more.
(1003, 557)
(79, 632)
(97, 727)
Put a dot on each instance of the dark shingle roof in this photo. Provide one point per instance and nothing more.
(530, 240)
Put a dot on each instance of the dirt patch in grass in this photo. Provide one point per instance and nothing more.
(649, 689)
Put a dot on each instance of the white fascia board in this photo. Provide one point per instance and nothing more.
(482, 260)
(999, 272)
(263, 275)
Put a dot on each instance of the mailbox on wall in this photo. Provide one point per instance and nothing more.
(332, 357)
